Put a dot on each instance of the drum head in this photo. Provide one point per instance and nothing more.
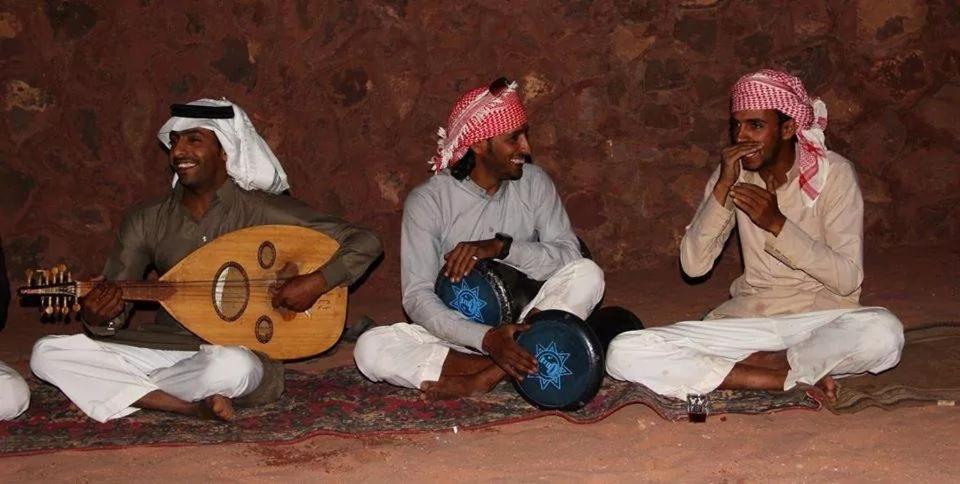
(570, 361)
(480, 296)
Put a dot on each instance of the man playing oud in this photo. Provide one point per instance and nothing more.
(795, 315)
(226, 179)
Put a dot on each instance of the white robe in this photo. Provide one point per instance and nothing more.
(407, 354)
(105, 379)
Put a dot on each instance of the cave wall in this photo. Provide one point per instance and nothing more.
(628, 103)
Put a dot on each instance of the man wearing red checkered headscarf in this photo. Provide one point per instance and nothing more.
(485, 202)
(795, 315)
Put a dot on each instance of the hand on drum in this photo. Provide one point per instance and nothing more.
(464, 256)
(500, 343)
(102, 304)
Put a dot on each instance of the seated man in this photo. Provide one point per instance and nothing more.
(795, 315)
(226, 179)
(14, 393)
(491, 204)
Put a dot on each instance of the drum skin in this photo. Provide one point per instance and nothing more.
(570, 361)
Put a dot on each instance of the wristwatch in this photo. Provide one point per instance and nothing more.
(507, 242)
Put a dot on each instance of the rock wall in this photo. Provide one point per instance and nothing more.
(628, 103)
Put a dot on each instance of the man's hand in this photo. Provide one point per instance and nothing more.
(730, 167)
(464, 256)
(760, 205)
(500, 344)
(103, 303)
(299, 293)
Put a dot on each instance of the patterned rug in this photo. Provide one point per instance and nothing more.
(928, 374)
(340, 402)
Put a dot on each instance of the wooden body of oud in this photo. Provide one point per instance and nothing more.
(192, 291)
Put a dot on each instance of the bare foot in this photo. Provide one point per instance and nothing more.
(829, 388)
(216, 406)
(455, 386)
(774, 360)
(449, 387)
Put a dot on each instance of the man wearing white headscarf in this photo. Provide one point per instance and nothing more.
(226, 178)
(795, 314)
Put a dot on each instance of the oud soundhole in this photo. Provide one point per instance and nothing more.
(264, 329)
(267, 255)
(231, 291)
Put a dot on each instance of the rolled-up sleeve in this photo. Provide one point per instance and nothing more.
(128, 261)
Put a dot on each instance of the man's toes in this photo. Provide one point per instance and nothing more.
(221, 406)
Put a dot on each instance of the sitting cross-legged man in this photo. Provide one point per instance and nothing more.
(226, 179)
(795, 314)
(14, 393)
(486, 201)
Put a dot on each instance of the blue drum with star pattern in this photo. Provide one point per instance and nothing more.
(492, 293)
(569, 357)
(570, 354)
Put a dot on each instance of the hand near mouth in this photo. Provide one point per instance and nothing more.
(730, 166)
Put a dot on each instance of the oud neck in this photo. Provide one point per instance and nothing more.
(134, 290)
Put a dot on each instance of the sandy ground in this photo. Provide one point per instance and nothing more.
(919, 444)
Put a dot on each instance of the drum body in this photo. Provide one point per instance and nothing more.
(492, 293)
(569, 357)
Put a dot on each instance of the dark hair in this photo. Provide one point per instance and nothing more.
(782, 118)
(462, 168)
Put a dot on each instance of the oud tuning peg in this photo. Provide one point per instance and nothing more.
(76, 307)
(29, 274)
(69, 276)
(54, 270)
(62, 267)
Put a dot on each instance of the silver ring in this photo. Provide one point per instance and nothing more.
(474, 257)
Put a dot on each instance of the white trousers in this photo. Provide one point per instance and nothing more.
(407, 354)
(696, 356)
(14, 393)
(105, 379)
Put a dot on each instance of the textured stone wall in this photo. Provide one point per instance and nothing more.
(628, 103)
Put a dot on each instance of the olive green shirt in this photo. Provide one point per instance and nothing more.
(160, 233)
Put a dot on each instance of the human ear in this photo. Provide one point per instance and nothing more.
(788, 129)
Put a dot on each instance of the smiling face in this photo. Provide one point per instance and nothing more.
(503, 155)
(764, 127)
(198, 159)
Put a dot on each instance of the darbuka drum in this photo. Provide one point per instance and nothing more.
(570, 355)
(569, 358)
(492, 293)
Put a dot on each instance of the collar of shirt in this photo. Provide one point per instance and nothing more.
(472, 187)
(224, 197)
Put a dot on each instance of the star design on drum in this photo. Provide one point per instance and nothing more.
(467, 300)
(552, 366)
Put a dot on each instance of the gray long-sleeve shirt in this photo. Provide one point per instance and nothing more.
(162, 232)
(443, 212)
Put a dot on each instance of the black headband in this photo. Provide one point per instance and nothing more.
(201, 112)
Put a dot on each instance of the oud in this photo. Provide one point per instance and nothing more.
(221, 291)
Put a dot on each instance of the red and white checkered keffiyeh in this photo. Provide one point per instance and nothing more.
(478, 115)
(770, 89)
